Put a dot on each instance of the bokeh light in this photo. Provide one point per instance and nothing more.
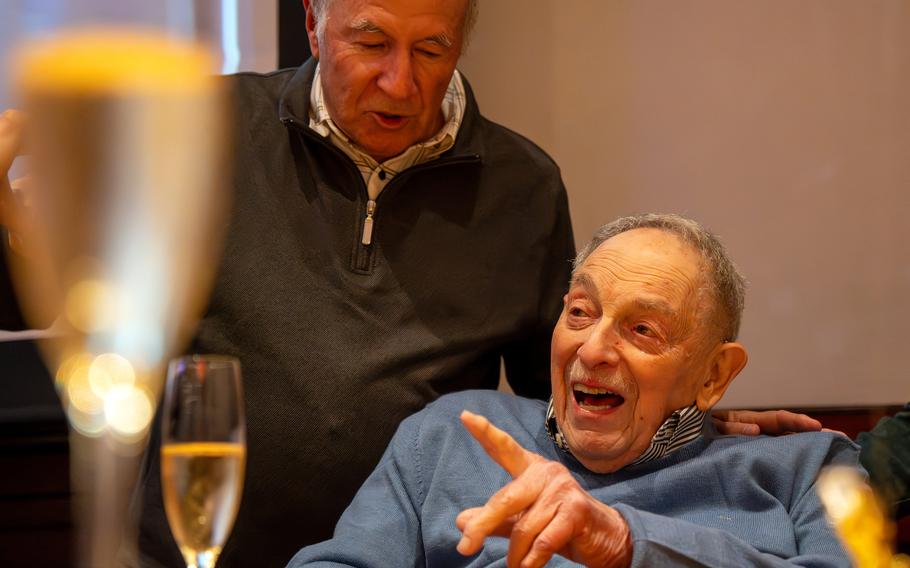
(79, 391)
(110, 370)
(91, 306)
(87, 424)
(128, 410)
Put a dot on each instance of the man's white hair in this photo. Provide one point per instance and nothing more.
(320, 8)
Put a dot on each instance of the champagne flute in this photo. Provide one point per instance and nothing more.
(128, 146)
(203, 453)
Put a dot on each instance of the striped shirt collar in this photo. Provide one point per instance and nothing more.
(376, 175)
(683, 426)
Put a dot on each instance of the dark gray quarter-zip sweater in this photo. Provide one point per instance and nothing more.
(340, 341)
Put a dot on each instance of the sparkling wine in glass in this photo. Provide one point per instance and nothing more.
(203, 453)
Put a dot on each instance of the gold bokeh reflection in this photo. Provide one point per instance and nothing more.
(109, 371)
(84, 408)
(102, 394)
(859, 518)
(129, 411)
(91, 306)
(88, 424)
(69, 367)
(79, 391)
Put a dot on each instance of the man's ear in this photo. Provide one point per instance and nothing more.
(729, 359)
(311, 28)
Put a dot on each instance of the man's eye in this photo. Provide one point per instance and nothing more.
(372, 45)
(642, 329)
(577, 312)
(429, 53)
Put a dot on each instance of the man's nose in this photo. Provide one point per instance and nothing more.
(602, 347)
(397, 77)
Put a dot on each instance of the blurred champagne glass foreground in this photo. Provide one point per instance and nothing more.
(126, 136)
(203, 454)
(860, 519)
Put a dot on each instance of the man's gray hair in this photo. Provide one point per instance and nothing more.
(727, 285)
(470, 18)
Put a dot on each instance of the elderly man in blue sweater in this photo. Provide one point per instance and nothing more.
(620, 468)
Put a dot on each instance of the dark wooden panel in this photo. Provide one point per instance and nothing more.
(850, 421)
(34, 548)
(293, 48)
(39, 512)
(903, 535)
(34, 473)
(36, 526)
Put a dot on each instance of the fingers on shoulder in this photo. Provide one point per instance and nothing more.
(795, 422)
(737, 428)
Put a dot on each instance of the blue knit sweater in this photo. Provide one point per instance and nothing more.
(719, 501)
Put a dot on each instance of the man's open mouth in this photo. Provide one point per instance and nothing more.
(390, 119)
(593, 399)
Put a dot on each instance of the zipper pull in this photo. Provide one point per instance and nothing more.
(368, 223)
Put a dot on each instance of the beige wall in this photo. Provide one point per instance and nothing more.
(258, 35)
(784, 126)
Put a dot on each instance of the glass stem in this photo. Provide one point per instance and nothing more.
(200, 559)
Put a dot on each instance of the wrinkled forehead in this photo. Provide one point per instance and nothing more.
(401, 15)
(650, 262)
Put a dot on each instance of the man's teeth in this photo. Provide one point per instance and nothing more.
(594, 398)
(592, 390)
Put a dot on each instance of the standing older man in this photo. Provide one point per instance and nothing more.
(388, 245)
(623, 468)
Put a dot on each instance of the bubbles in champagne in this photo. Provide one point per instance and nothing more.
(202, 483)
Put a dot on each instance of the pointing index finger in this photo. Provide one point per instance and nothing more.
(500, 446)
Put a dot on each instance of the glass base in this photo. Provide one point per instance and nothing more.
(201, 558)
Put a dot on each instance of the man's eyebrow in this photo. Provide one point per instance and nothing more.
(655, 305)
(585, 281)
(365, 25)
(643, 303)
(440, 38)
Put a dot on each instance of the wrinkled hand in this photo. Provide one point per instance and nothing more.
(543, 511)
(770, 422)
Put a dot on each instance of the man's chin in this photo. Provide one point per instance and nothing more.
(383, 152)
(596, 450)
(599, 463)
(596, 443)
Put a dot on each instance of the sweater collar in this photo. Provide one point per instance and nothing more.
(683, 426)
(294, 107)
